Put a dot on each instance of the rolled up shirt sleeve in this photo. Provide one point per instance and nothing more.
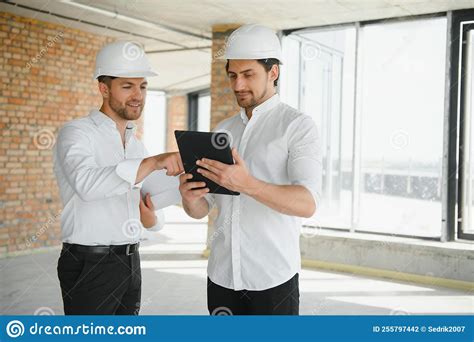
(75, 155)
(160, 221)
(305, 156)
(128, 169)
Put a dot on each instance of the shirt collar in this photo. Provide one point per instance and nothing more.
(262, 108)
(100, 118)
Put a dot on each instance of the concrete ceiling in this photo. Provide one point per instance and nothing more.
(171, 25)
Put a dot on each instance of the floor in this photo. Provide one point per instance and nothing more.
(174, 282)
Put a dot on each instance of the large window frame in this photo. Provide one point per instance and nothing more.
(193, 108)
(461, 23)
(451, 187)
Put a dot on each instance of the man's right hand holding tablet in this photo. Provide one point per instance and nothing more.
(193, 194)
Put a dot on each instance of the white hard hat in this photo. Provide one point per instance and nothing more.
(253, 41)
(122, 59)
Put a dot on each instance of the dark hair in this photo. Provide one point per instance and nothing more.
(267, 63)
(106, 79)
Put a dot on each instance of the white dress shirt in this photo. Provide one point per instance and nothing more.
(253, 246)
(96, 178)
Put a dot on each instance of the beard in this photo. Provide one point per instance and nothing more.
(125, 111)
(250, 101)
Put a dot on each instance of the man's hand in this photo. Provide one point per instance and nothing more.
(188, 190)
(234, 177)
(194, 202)
(171, 162)
(147, 212)
(293, 200)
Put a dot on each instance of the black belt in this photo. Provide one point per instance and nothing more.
(117, 249)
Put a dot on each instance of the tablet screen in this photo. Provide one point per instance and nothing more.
(195, 145)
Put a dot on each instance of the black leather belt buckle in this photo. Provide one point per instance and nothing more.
(127, 250)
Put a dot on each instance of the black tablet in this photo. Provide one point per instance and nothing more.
(197, 145)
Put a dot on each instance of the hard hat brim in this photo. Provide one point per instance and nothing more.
(129, 74)
(225, 57)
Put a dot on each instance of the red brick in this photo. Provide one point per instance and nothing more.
(43, 90)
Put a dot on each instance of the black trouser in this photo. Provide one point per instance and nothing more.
(283, 299)
(99, 283)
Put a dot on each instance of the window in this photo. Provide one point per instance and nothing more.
(204, 113)
(380, 115)
(154, 135)
(199, 104)
(467, 193)
(461, 165)
(318, 79)
(402, 73)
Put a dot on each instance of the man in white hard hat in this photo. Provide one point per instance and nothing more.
(99, 166)
(255, 255)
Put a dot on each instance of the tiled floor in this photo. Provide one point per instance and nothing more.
(174, 282)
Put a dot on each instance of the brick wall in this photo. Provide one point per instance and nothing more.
(46, 74)
(223, 103)
(177, 118)
(44, 85)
